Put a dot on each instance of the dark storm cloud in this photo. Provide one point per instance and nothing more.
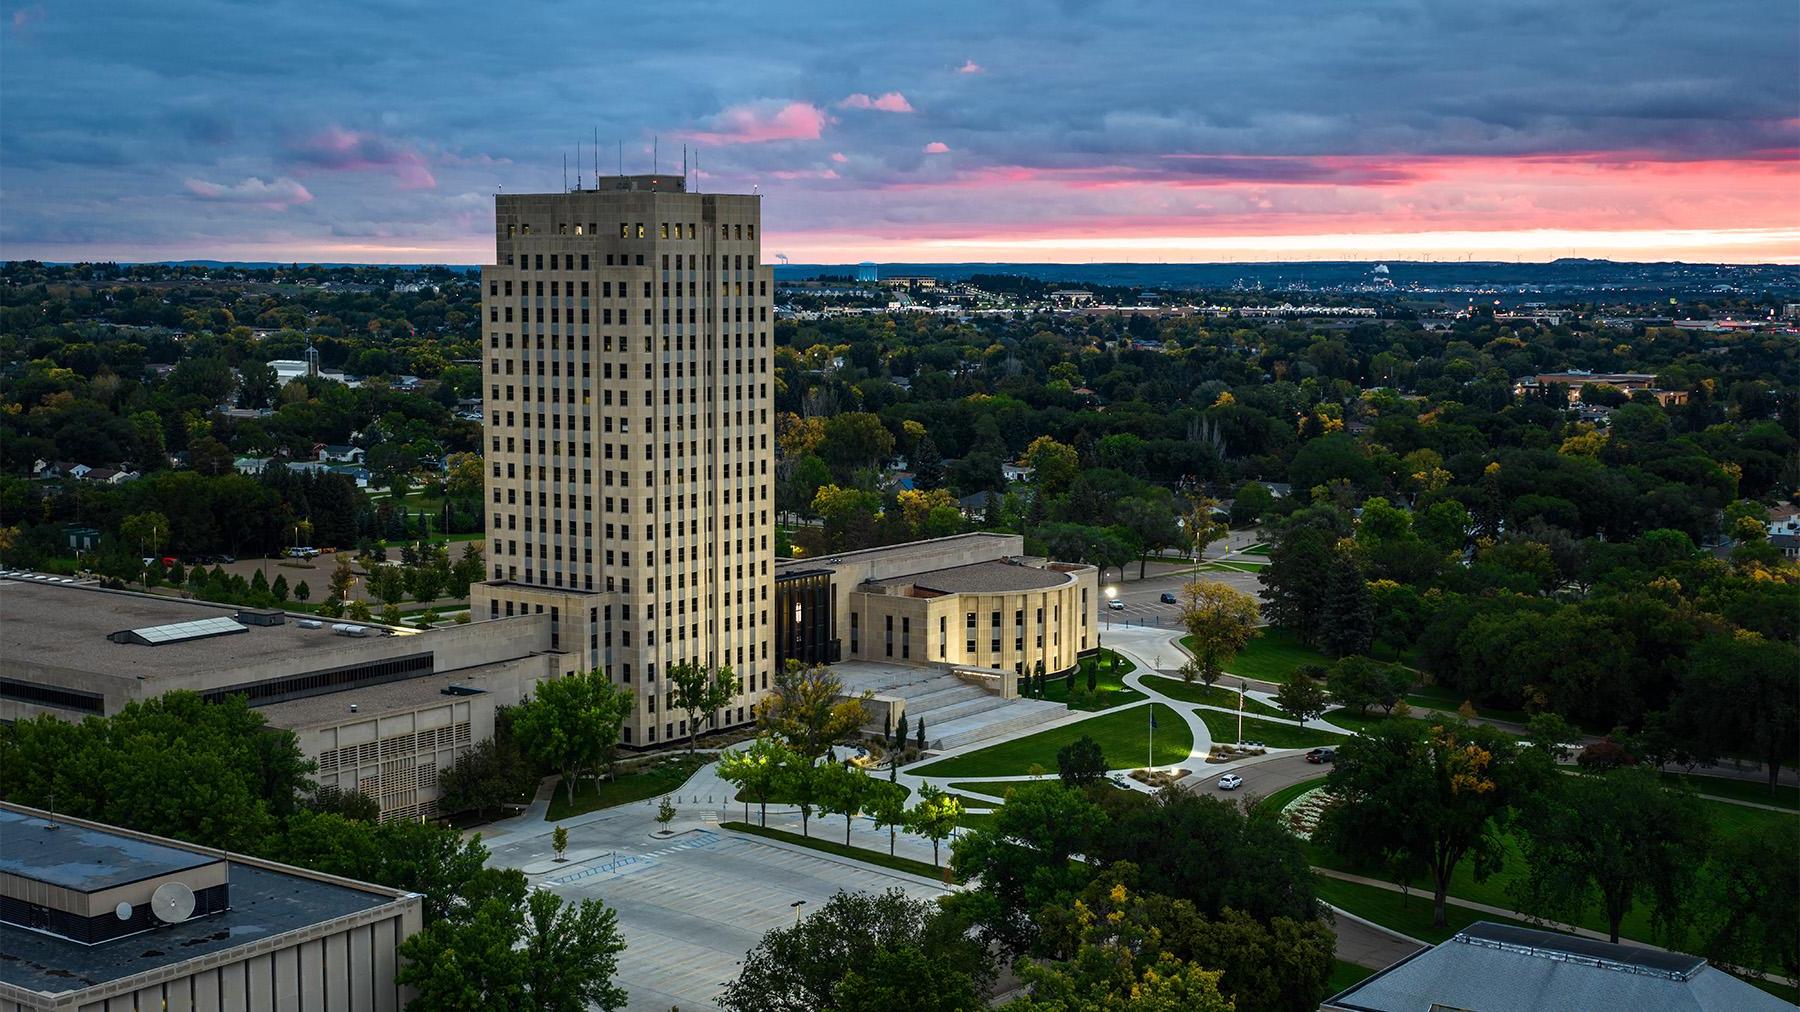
(401, 118)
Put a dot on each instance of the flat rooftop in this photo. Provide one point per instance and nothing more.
(265, 902)
(83, 859)
(66, 626)
(1501, 968)
(370, 700)
(985, 578)
(999, 545)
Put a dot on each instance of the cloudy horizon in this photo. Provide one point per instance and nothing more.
(1073, 131)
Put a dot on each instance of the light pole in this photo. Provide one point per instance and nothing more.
(1242, 686)
(797, 904)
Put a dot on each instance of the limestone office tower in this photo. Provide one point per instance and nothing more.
(628, 430)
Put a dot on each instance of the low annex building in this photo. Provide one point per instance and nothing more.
(380, 710)
(94, 918)
(968, 601)
(1502, 968)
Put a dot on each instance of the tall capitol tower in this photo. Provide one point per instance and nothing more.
(628, 431)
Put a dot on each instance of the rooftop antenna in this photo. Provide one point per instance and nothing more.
(684, 166)
(696, 170)
(596, 158)
(578, 165)
(621, 159)
(655, 155)
(565, 172)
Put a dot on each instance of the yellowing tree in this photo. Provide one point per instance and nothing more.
(1220, 621)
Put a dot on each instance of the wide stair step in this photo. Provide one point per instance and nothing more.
(1024, 715)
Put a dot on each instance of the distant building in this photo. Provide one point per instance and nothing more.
(381, 711)
(1500, 968)
(1072, 296)
(867, 271)
(1633, 383)
(1017, 472)
(909, 281)
(96, 918)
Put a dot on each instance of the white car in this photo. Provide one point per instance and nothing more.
(1230, 782)
(1116, 605)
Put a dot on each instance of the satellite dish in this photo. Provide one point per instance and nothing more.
(124, 911)
(172, 903)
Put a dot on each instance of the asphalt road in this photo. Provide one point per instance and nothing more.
(1261, 778)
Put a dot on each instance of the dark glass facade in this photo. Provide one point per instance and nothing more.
(804, 619)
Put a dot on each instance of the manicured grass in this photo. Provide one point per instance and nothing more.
(1224, 727)
(1109, 687)
(1361, 723)
(1232, 566)
(880, 857)
(1407, 914)
(1437, 697)
(1257, 549)
(1727, 820)
(1754, 791)
(1791, 995)
(997, 788)
(1122, 735)
(1217, 695)
(1270, 657)
(636, 785)
(1343, 975)
(1276, 802)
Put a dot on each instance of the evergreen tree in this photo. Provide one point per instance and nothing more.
(927, 464)
(1347, 615)
(280, 587)
(920, 731)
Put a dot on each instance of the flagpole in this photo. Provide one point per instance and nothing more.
(1150, 757)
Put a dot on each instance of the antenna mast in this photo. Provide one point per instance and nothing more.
(565, 172)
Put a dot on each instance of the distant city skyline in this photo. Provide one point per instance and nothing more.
(1073, 131)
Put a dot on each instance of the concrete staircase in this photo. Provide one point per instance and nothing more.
(957, 712)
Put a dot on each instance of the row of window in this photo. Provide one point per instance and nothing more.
(682, 342)
(566, 261)
(728, 288)
(622, 585)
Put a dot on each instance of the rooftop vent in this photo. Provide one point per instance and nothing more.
(346, 629)
(261, 616)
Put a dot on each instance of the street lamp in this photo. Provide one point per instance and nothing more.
(797, 904)
(1242, 688)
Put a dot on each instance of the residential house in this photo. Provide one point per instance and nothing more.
(344, 454)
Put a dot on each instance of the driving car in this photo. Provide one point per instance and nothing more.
(1230, 782)
(1168, 597)
(1321, 755)
(1116, 605)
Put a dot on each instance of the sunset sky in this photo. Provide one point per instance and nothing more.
(1073, 131)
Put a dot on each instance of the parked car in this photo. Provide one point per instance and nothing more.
(1119, 781)
(304, 552)
(1116, 605)
(1321, 755)
(1230, 782)
(1168, 597)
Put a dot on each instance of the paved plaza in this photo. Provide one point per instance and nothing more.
(689, 906)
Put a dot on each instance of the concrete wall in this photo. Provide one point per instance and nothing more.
(940, 634)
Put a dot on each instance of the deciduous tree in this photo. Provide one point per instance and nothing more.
(804, 707)
(699, 692)
(1220, 621)
(572, 724)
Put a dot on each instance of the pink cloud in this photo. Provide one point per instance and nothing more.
(278, 194)
(839, 157)
(970, 67)
(340, 150)
(757, 122)
(937, 148)
(893, 101)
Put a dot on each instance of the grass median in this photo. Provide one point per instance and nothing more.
(1270, 657)
(1217, 695)
(876, 857)
(1224, 727)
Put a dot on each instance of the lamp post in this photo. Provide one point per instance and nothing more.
(1242, 687)
(797, 904)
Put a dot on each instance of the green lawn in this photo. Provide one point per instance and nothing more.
(998, 788)
(1109, 688)
(1411, 915)
(1343, 975)
(1754, 791)
(1407, 914)
(1257, 549)
(1438, 697)
(1274, 803)
(1364, 722)
(1727, 820)
(1224, 727)
(1270, 657)
(1122, 735)
(1217, 695)
(880, 857)
(1232, 566)
(636, 785)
